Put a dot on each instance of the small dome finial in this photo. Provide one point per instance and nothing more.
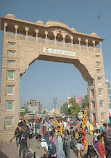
(40, 22)
(10, 15)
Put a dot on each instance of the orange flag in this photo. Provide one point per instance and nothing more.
(36, 117)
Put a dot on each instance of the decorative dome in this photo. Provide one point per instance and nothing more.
(50, 23)
(40, 22)
(73, 29)
(94, 34)
(10, 15)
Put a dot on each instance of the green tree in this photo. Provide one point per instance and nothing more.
(44, 112)
(85, 102)
(65, 109)
(75, 108)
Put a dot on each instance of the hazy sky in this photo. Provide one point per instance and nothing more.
(45, 80)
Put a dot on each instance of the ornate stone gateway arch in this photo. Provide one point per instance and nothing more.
(24, 42)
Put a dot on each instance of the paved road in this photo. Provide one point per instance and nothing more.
(9, 150)
(40, 152)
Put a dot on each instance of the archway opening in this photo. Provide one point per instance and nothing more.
(46, 80)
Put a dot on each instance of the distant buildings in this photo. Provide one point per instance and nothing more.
(33, 106)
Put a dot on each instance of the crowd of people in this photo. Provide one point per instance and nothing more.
(58, 136)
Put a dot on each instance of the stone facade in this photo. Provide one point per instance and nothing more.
(24, 42)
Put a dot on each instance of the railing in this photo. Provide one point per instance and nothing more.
(50, 42)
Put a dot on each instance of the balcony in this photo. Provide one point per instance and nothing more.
(50, 42)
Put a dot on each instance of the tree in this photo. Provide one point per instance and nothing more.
(85, 102)
(44, 112)
(65, 109)
(75, 108)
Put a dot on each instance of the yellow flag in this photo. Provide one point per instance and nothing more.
(85, 118)
(57, 124)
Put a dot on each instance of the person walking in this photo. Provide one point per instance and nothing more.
(100, 147)
(60, 151)
(67, 140)
(24, 142)
(80, 142)
(53, 139)
(44, 145)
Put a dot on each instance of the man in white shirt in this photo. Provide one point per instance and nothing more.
(43, 144)
(65, 124)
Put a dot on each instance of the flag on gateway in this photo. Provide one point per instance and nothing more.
(78, 100)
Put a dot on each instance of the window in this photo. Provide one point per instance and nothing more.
(99, 80)
(108, 85)
(10, 75)
(110, 106)
(98, 70)
(11, 53)
(9, 105)
(100, 92)
(101, 102)
(11, 62)
(11, 44)
(97, 63)
(109, 91)
(97, 56)
(102, 116)
(9, 122)
(10, 90)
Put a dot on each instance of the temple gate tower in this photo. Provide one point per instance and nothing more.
(25, 42)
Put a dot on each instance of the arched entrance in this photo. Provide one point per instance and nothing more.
(53, 41)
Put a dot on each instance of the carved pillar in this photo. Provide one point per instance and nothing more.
(26, 29)
(94, 45)
(87, 43)
(55, 34)
(63, 35)
(79, 39)
(46, 33)
(72, 40)
(5, 27)
(100, 45)
(16, 27)
(36, 31)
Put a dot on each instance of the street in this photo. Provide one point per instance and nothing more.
(9, 150)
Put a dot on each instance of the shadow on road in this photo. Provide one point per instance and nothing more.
(2, 155)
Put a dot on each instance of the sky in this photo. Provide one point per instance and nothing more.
(45, 80)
